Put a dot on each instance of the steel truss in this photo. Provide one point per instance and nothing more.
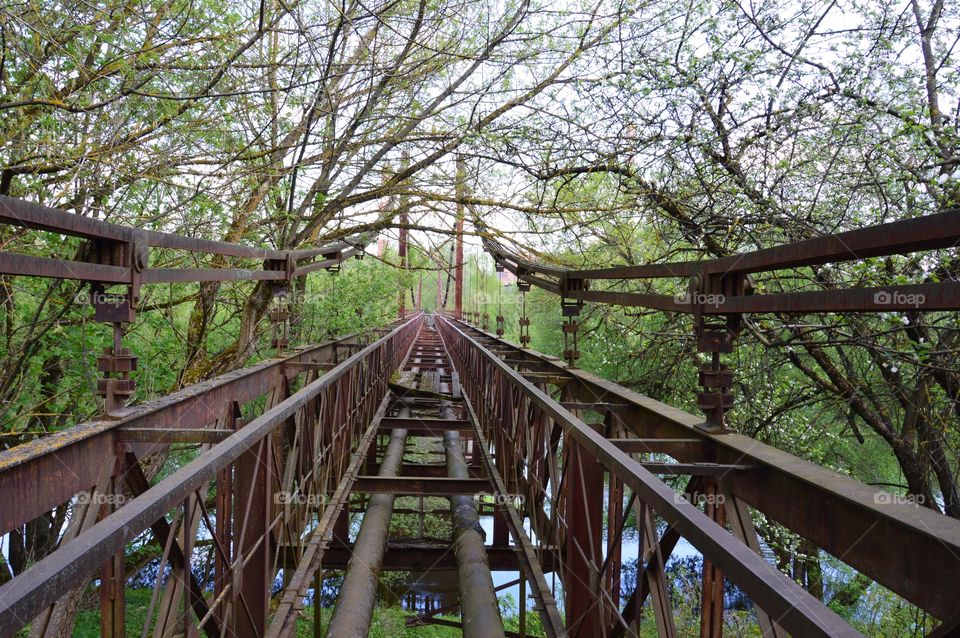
(284, 445)
(572, 477)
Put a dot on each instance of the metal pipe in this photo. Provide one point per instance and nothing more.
(358, 594)
(478, 601)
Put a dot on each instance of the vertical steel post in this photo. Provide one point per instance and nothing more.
(524, 321)
(583, 514)
(711, 606)
(402, 253)
(252, 508)
(440, 307)
(223, 535)
(716, 335)
(117, 309)
(113, 572)
(458, 265)
(571, 310)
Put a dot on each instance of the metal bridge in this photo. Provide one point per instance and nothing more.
(291, 447)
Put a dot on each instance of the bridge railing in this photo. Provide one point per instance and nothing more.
(572, 476)
(272, 478)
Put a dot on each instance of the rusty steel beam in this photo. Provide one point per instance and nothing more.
(923, 297)
(27, 214)
(920, 297)
(173, 275)
(687, 448)
(36, 216)
(358, 594)
(913, 551)
(930, 232)
(420, 485)
(425, 423)
(20, 212)
(342, 255)
(418, 470)
(174, 435)
(696, 469)
(796, 610)
(458, 267)
(402, 254)
(413, 557)
(42, 474)
(583, 485)
(330, 251)
(925, 233)
(30, 266)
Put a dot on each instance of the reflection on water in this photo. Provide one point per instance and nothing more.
(423, 592)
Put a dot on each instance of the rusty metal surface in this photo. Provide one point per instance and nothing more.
(913, 551)
(925, 233)
(485, 378)
(313, 442)
(36, 216)
(410, 557)
(31, 266)
(42, 474)
(421, 485)
(930, 232)
(364, 374)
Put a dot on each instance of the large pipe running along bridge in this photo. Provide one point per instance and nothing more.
(290, 445)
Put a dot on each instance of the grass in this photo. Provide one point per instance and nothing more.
(388, 622)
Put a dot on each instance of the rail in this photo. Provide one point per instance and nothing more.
(913, 551)
(277, 452)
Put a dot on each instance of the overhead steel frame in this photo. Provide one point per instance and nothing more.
(720, 291)
(910, 550)
(551, 458)
(118, 256)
